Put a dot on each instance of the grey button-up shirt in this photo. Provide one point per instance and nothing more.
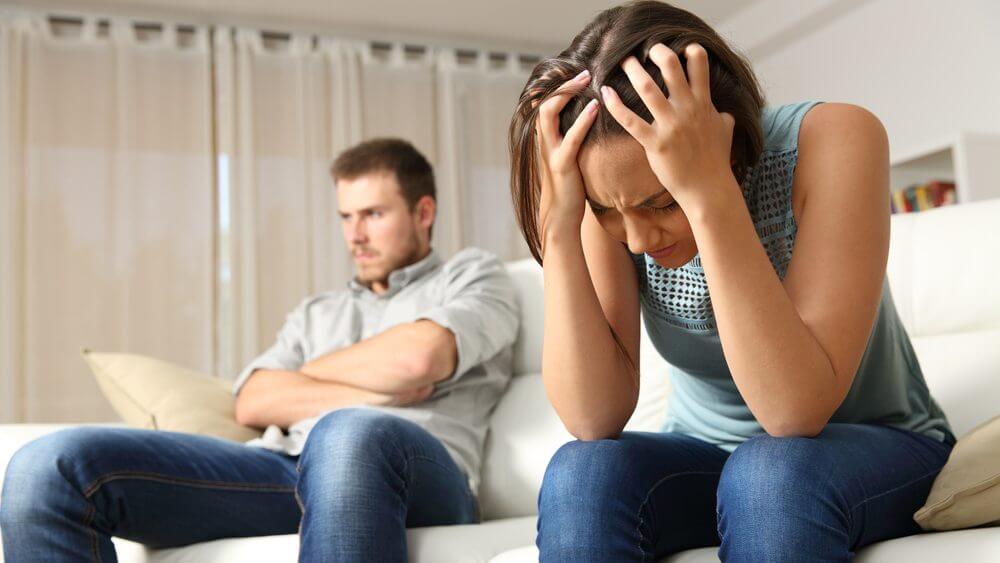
(471, 295)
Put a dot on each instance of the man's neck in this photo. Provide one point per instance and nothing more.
(380, 287)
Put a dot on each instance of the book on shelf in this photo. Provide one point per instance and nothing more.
(920, 197)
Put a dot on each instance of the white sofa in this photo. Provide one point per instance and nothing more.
(941, 266)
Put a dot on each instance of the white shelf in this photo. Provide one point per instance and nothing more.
(971, 160)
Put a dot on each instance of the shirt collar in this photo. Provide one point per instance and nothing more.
(398, 279)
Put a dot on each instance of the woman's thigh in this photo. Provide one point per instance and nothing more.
(825, 496)
(638, 496)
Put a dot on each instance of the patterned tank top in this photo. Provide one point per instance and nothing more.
(889, 386)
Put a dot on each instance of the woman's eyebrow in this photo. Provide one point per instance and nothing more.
(649, 200)
(645, 203)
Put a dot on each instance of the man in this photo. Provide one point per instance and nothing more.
(420, 349)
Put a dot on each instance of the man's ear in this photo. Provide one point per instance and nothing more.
(426, 211)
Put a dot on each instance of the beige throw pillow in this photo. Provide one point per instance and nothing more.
(967, 491)
(158, 395)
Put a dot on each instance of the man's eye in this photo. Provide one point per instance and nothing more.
(376, 214)
(598, 210)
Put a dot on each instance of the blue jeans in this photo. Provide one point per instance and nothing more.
(363, 477)
(647, 495)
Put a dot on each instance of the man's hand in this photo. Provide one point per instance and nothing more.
(411, 397)
(286, 397)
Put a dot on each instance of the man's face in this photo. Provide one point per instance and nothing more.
(381, 231)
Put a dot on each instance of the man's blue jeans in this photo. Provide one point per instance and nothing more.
(647, 495)
(363, 477)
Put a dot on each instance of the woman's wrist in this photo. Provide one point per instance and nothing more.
(560, 239)
(711, 203)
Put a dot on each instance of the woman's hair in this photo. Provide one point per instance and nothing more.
(616, 33)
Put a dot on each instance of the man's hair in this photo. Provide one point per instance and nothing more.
(413, 173)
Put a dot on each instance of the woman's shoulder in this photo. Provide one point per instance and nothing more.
(781, 124)
(789, 126)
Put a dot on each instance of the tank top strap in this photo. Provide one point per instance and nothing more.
(781, 124)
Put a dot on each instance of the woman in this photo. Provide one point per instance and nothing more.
(648, 175)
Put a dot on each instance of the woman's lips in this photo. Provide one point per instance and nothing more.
(663, 252)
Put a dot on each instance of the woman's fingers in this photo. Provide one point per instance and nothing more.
(648, 91)
(548, 112)
(574, 137)
(632, 123)
(673, 75)
(698, 73)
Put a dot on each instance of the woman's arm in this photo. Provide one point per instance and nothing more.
(793, 348)
(591, 382)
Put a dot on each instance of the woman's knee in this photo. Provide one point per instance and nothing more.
(775, 482)
(587, 469)
(766, 464)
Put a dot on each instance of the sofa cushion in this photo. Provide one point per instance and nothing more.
(967, 491)
(434, 544)
(968, 546)
(527, 277)
(154, 394)
(961, 371)
(942, 278)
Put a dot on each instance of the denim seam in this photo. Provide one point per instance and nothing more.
(94, 486)
(650, 492)
(894, 489)
(94, 540)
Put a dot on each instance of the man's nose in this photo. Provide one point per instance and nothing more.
(358, 231)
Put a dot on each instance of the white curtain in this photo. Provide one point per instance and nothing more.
(289, 106)
(165, 190)
(108, 215)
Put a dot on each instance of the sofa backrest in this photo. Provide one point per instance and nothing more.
(943, 268)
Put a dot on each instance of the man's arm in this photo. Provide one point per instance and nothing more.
(406, 357)
(272, 389)
(286, 397)
(477, 318)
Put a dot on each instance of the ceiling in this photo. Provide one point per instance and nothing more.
(525, 24)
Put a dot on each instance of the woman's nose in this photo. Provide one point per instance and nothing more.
(639, 237)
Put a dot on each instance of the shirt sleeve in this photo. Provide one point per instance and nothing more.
(285, 354)
(480, 307)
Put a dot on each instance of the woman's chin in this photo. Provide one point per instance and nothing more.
(678, 258)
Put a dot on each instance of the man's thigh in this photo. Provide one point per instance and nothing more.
(386, 459)
(167, 489)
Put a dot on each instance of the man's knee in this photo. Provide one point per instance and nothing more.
(354, 435)
(47, 466)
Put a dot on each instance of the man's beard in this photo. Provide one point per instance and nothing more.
(381, 276)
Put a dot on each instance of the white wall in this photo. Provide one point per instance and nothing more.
(927, 68)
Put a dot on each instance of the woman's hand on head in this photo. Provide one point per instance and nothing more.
(563, 196)
(689, 142)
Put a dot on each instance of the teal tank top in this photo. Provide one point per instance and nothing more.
(889, 387)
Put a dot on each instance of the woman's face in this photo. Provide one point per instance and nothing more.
(631, 204)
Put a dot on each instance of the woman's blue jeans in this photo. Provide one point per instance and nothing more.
(363, 477)
(646, 495)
